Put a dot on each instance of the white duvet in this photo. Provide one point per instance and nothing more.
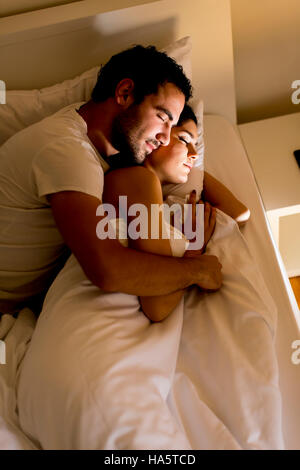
(99, 375)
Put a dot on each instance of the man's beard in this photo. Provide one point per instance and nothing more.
(126, 137)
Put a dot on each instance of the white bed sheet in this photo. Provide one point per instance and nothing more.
(16, 333)
(99, 374)
(225, 158)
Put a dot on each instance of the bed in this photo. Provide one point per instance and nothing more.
(199, 412)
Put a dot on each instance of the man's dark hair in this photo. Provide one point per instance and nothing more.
(147, 67)
(186, 114)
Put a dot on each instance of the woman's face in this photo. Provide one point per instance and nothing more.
(173, 163)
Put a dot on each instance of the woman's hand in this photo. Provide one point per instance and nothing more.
(209, 219)
(212, 264)
(209, 222)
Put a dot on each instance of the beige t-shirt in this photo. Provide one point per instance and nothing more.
(50, 156)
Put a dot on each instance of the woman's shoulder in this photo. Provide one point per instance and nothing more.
(136, 181)
(138, 177)
(133, 172)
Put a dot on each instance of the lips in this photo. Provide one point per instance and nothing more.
(189, 166)
(150, 146)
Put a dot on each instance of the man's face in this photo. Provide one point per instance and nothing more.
(141, 128)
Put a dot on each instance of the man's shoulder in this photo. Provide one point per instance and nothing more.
(64, 122)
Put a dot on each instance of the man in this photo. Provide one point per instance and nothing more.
(52, 183)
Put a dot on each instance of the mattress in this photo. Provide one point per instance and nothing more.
(226, 159)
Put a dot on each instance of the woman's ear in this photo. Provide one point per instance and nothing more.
(124, 92)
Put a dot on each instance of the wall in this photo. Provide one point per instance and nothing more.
(16, 7)
(266, 44)
(40, 57)
(266, 39)
(22, 6)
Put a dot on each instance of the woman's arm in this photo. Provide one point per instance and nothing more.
(219, 196)
(142, 186)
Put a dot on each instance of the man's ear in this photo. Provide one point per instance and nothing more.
(124, 92)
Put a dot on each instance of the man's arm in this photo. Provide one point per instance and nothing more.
(114, 268)
(219, 196)
(140, 185)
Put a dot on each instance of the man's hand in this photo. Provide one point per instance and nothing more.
(208, 274)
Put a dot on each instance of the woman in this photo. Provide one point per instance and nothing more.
(143, 185)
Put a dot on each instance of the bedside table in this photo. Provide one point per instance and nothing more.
(269, 144)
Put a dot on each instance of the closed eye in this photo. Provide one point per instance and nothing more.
(183, 140)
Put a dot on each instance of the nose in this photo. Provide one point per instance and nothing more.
(192, 152)
(164, 136)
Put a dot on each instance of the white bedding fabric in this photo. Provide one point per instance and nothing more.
(111, 385)
(210, 403)
(227, 367)
(16, 333)
(225, 158)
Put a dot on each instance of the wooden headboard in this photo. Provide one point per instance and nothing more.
(46, 46)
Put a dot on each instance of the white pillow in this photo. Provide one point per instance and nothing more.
(25, 107)
(181, 51)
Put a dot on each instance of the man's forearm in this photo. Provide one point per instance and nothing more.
(113, 267)
(145, 274)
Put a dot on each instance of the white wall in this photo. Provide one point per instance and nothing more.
(17, 7)
(266, 42)
(44, 56)
(20, 6)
